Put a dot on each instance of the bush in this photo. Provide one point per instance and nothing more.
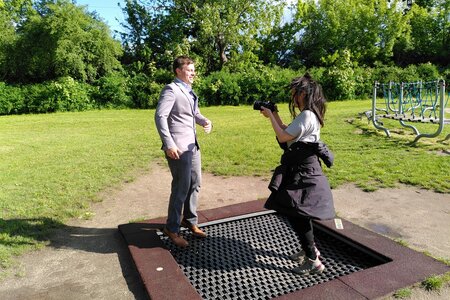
(143, 92)
(267, 84)
(219, 88)
(317, 74)
(339, 80)
(111, 91)
(64, 94)
(39, 98)
(363, 83)
(428, 72)
(71, 95)
(245, 87)
(409, 74)
(339, 84)
(163, 76)
(11, 100)
(384, 74)
(342, 80)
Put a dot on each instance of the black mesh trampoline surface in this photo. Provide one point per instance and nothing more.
(247, 257)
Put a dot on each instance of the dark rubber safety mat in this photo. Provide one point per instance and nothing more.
(247, 258)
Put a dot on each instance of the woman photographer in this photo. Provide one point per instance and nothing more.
(300, 191)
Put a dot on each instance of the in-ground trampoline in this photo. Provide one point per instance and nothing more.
(245, 256)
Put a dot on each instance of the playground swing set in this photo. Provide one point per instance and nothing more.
(412, 102)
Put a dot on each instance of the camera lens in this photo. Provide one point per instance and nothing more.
(257, 105)
(267, 104)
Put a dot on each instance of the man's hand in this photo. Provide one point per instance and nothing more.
(173, 153)
(207, 127)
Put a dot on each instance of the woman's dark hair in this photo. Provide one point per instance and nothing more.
(180, 61)
(314, 99)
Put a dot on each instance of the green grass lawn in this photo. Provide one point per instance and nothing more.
(53, 166)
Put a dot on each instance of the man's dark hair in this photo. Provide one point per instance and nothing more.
(180, 61)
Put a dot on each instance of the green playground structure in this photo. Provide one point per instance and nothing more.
(410, 102)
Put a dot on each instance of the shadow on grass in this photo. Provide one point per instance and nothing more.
(28, 233)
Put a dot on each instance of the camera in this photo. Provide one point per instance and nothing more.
(267, 104)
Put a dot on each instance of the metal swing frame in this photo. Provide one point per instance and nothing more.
(414, 109)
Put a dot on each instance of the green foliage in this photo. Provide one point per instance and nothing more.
(7, 39)
(385, 73)
(11, 99)
(39, 98)
(428, 71)
(61, 40)
(426, 38)
(71, 95)
(276, 47)
(412, 73)
(45, 40)
(446, 75)
(339, 83)
(156, 33)
(143, 91)
(368, 28)
(432, 283)
(267, 84)
(111, 91)
(232, 25)
(64, 94)
(409, 74)
(220, 88)
(245, 87)
(403, 293)
(364, 79)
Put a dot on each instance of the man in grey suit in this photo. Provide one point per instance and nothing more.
(176, 116)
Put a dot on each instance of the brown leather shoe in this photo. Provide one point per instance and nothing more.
(176, 239)
(194, 229)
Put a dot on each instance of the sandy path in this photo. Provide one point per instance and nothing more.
(89, 259)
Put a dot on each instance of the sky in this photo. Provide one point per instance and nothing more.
(109, 11)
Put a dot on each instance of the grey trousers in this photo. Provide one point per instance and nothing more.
(186, 182)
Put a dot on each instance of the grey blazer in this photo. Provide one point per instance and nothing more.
(176, 117)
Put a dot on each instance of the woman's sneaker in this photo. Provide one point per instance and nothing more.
(300, 256)
(310, 266)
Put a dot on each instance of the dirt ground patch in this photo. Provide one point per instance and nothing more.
(88, 259)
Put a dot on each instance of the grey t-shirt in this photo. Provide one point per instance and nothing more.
(305, 127)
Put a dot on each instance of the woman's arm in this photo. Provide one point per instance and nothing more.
(277, 125)
(278, 119)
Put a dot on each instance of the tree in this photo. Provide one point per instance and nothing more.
(232, 26)
(428, 35)
(7, 38)
(277, 47)
(18, 10)
(368, 28)
(62, 39)
(154, 31)
(212, 31)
